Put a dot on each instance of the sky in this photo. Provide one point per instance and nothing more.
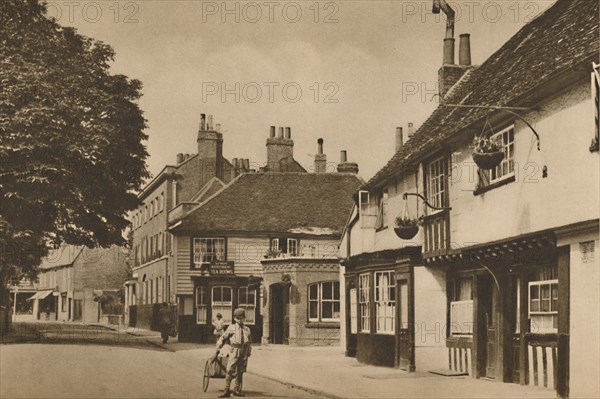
(346, 71)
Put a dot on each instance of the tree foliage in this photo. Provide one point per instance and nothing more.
(71, 139)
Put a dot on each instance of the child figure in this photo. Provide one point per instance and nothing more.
(238, 336)
(218, 325)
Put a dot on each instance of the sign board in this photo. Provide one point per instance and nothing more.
(220, 268)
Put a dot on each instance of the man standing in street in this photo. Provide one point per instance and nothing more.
(164, 322)
(238, 336)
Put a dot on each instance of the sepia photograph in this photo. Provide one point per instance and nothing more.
(299, 199)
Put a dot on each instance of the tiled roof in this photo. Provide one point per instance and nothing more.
(563, 36)
(63, 256)
(277, 202)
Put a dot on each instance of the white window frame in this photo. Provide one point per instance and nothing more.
(506, 169)
(320, 301)
(436, 182)
(364, 303)
(223, 307)
(200, 257)
(461, 311)
(289, 246)
(385, 302)
(201, 308)
(537, 317)
(353, 311)
(248, 306)
(382, 211)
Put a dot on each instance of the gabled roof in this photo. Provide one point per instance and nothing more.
(63, 256)
(563, 36)
(211, 187)
(288, 165)
(300, 203)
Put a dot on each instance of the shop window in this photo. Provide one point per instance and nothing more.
(543, 306)
(200, 305)
(222, 303)
(324, 301)
(247, 301)
(461, 307)
(435, 182)
(364, 303)
(382, 210)
(207, 250)
(385, 301)
(284, 246)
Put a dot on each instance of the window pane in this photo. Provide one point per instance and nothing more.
(251, 297)
(327, 291)
(336, 290)
(555, 297)
(226, 294)
(313, 310)
(534, 292)
(313, 291)
(216, 294)
(327, 310)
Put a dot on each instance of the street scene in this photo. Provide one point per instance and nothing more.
(337, 199)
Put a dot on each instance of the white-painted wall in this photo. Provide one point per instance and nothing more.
(568, 195)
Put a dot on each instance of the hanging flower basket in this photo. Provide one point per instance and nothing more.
(487, 152)
(406, 228)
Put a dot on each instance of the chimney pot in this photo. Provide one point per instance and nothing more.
(464, 50)
(399, 138)
(288, 133)
(202, 122)
(209, 122)
(449, 51)
(218, 127)
(280, 133)
(179, 158)
(246, 165)
(320, 144)
(272, 132)
(234, 161)
(343, 156)
(411, 129)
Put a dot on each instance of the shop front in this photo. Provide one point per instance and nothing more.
(219, 290)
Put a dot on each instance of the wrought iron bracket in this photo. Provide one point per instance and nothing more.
(510, 110)
(435, 208)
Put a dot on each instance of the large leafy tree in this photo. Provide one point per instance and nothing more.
(71, 140)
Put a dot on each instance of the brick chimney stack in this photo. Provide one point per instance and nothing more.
(279, 148)
(320, 159)
(346, 167)
(210, 146)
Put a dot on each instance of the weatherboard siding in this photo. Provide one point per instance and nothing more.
(185, 286)
(246, 253)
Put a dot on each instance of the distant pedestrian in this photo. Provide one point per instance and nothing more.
(165, 322)
(218, 324)
(238, 336)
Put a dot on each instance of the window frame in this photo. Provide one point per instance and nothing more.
(439, 197)
(539, 313)
(197, 264)
(364, 303)
(382, 210)
(320, 301)
(201, 304)
(508, 147)
(219, 306)
(385, 303)
(246, 305)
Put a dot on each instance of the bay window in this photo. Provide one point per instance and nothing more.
(385, 301)
(324, 301)
(364, 302)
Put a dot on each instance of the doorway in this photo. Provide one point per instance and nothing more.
(279, 328)
(488, 320)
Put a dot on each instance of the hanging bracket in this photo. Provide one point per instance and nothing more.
(435, 208)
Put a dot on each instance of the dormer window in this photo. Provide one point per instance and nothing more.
(284, 245)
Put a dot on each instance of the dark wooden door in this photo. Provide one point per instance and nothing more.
(77, 309)
(279, 328)
(404, 338)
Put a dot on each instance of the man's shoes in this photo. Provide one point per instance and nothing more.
(225, 394)
(238, 393)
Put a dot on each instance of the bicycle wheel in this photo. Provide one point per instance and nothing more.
(206, 377)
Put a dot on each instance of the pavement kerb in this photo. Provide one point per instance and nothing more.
(157, 344)
(312, 391)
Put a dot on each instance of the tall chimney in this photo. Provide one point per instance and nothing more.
(320, 159)
(209, 123)
(346, 167)
(278, 149)
(399, 139)
(464, 51)
(210, 149)
(202, 122)
(448, 51)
